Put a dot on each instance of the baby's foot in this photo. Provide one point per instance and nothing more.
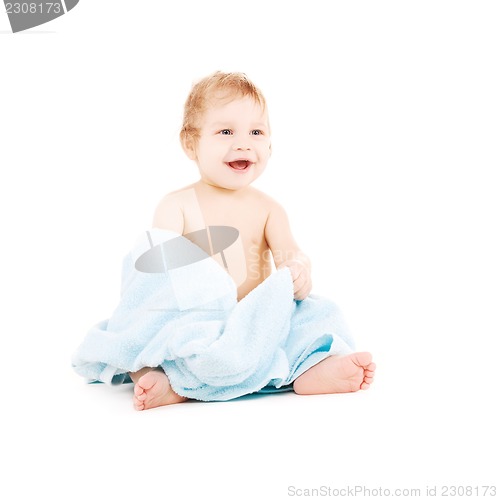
(337, 374)
(153, 389)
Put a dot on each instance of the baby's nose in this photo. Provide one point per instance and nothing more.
(240, 147)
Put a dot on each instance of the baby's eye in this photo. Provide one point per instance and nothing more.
(226, 131)
(256, 132)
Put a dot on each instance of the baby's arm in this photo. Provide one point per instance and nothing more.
(286, 252)
(169, 214)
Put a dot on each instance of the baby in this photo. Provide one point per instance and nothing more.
(227, 133)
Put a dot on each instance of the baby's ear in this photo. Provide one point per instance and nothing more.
(188, 145)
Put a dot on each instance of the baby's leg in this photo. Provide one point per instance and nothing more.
(152, 389)
(337, 374)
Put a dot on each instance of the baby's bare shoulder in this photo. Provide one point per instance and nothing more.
(273, 208)
(169, 213)
(176, 198)
(264, 200)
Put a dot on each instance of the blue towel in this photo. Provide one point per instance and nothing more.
(186, 319)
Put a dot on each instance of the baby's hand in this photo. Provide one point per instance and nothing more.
(301, 278)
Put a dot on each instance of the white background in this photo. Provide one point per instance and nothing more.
(384, 118)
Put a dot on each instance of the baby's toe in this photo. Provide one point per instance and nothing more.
(138, 390)
(138, 405)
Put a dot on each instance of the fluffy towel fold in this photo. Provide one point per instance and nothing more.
(187, 320)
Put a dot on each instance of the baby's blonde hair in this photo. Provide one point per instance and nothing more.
(216, 86)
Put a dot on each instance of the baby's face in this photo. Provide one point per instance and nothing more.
(234, 143)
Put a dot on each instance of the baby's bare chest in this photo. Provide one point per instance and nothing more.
(248, 220)
(234, 236)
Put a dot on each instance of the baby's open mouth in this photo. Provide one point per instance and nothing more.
(239, 164)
